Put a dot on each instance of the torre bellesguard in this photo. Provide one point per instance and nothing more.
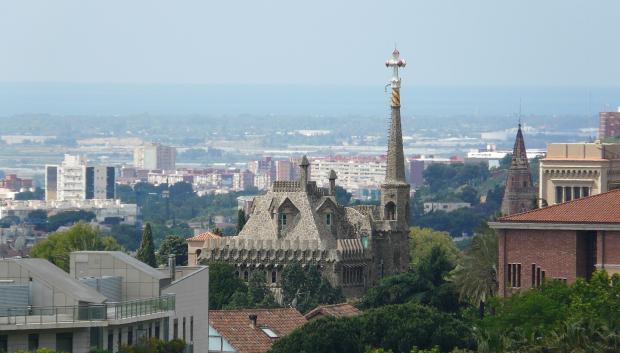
(353, 247)
(519, 195)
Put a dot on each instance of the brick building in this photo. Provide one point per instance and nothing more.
(608, 124)
(561, 242)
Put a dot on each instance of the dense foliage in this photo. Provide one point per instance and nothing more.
(57, 247)
(173, 244)
(582, 317)
(305, 289)
(155, 345)
(425, 283)
(395, 327)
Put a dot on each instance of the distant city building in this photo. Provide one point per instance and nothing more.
(285, 170)
(74, 180)
(574, 170)
(608, 124)
(354, 173)
(562, 242)
(444, 206)
(153, 156)
(519, 193)
(104, 209)
(13, 183)
(492, 156)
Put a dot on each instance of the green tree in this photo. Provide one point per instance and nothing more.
(240, 220)
(146, 252)
(58, 245)
(423, 240)
(397, 328)
(425, 283)
(304, 290)
(173, 244)
(476, 275)
(223, 283)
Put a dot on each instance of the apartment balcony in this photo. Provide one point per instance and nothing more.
(89, 315)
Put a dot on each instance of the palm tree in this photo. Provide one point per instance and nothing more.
(476, 274)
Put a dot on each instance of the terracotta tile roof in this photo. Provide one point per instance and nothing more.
(336, 310)
(236, 327)
(601, 208)
(204, 236)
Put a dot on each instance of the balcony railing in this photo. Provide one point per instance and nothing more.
(86, 313)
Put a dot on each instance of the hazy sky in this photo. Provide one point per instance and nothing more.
(457, 42)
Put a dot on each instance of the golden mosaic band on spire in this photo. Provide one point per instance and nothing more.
(395, 97)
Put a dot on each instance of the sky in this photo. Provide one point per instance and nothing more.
(318, 42)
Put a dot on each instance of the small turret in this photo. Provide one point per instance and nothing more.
(332, 182)
(303, 171)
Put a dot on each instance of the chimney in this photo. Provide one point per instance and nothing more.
(172, 266)
(253, 319)
(332, 182)
(303, 172)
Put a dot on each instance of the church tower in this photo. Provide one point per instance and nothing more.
(395, 190)
(520, 194)
(390, 243)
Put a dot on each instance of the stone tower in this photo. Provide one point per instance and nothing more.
(520, 194)
(390, 245)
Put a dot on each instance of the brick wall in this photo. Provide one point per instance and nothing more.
(554, 251)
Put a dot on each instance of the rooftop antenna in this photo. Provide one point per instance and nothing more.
(519, 111)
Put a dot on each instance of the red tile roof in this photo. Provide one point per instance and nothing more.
(204, 236)
(336, 310)
(601, 208)
(235, 326)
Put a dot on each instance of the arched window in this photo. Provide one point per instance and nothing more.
(274, 276)
(390, 211)
(246, 275)
(198, 252)
(328, 219)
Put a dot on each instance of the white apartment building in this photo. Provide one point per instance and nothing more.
(152, 156)
(74, 180)
(353, 173)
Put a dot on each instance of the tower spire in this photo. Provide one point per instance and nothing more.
(395, 172)
(519, 194)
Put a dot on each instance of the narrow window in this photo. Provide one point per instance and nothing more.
(246, 276)
(537, 276)
(191, 329)
(175, 329)
(183, 328)
(533, 275)
(328, 219)
(568, 195)
(585, 191)
(274, 276)
(576, 192)
(558, 194)
(519, 275)
(130, 336)
(283, 219)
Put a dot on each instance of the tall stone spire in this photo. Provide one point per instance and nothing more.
(395, 172)
(395, 190)
(519, 195)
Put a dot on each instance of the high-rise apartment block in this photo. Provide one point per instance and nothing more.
(74, 180)
(608, 124)
(153, 156)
